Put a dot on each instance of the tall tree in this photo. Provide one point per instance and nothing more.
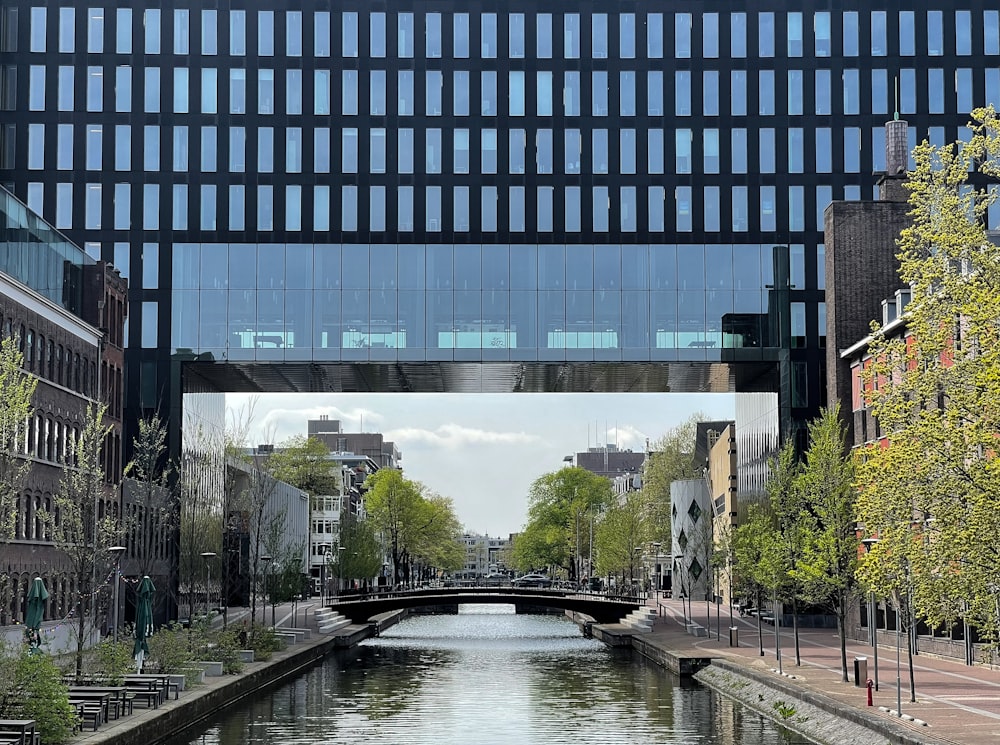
(560, 507)
(17, 389)
(936, 395)
(392, 503)
(758, 558)
(829, 558)
(793, 522)
(624, 527)
(152, 514)
(83, 525)
(671, 458)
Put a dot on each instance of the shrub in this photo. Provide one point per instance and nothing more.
(227, 651)
(115, 660)
(169, 649)
(32, 688)
(263, 642)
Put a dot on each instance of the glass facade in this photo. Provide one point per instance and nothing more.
(532, 144)
(471, 301)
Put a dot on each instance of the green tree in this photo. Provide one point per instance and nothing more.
(560, 507)
(152, 514)
(624, 526)
(17, 389)
(304, 462)
(436, 538)
(936, 396)
(83, 525)
(671, 458)
(758, 559)
(793, 523)
(362, 554)
(31, 687)
(391, 503)
(829, 556)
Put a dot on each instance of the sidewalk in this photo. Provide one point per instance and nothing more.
(960, 704)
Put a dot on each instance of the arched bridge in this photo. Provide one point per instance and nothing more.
(599, 607)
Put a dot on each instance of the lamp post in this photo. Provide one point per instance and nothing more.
(297, 566)
(117, 552)
(208, 556)
(872, 613)
(323, 590)
(637, 552)
(340, 568)
(656, 574)
(677, 578)
(263, 609)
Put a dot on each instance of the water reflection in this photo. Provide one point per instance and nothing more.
(488, 676)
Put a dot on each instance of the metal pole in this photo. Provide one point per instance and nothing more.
(777, 622)
(118, 566)
(874, 624)
(899, 687)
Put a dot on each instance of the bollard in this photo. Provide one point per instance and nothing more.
(870, 684)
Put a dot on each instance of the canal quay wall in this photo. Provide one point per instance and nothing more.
(782, 699)
(196, 704)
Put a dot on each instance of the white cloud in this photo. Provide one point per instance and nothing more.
(453, 435)
(627, 437)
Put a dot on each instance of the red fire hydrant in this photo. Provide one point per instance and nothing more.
(870, 684)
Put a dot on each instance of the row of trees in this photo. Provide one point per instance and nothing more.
(576, 525)
(912, 519)
(419, 529)
(799, 545)
(929, 493)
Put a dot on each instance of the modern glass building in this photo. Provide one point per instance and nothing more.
(345, 195)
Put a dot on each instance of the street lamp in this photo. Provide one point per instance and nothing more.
(208, 556)
(263, 609)
(656, 558)
(340, 568)
(678, 578)
(297, 566)
(637, 552)
(117, 552)
(872, 612)
(322, 572)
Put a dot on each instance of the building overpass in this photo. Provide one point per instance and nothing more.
(603, 609)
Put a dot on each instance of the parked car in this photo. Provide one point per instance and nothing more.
(532, 580)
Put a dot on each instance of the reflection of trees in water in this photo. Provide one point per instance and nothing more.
(383, 681)
(624, 681)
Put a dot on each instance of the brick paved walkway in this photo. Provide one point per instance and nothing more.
(960, 704)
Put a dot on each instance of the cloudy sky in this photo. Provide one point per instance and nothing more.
(483, 451)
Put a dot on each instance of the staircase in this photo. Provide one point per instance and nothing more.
(640, 620)
(329, 621)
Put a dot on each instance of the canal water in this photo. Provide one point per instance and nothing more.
(487, 677)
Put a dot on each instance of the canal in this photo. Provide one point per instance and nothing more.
(487, 676)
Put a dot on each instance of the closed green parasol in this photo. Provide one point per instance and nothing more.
(37, 595)
(143, 620)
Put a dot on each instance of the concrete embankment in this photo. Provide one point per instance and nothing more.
(194, 705)
(782, 699)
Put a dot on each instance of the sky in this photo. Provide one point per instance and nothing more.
(484, 450)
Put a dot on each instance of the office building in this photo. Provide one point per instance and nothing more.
(500, 197)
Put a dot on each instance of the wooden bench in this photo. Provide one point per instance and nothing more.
(150, 696)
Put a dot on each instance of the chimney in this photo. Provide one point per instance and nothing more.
(897, 156)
